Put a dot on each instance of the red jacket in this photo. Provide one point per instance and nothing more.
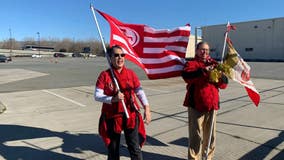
(128, 82)
(202, 94)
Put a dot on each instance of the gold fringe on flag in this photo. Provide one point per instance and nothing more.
(216, 73)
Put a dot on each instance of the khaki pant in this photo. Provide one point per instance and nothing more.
(199, 131)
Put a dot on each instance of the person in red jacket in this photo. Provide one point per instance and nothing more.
(202, 98)
(113, 119)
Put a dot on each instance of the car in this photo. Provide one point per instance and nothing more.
(9, 58)
(77, 55)
(59, 55)
(36, 56)
(92, 55)
(4, 58)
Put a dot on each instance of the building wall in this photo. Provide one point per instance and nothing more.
(190, 51)
(261, 40)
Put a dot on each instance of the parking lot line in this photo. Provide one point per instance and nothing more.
(67, 99)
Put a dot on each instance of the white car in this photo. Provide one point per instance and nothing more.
(36, 56)
(92, 55)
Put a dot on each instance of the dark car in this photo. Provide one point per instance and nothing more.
(59, 55)
(77, 55)
(4, 58)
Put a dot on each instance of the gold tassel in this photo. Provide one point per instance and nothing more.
(216, 73)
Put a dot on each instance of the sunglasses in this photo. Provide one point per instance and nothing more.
(119, 55)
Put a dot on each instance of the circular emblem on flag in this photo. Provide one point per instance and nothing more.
(245, 76)
(132, 35)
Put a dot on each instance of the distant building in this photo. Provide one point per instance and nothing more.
(261, 40)
(190, 51)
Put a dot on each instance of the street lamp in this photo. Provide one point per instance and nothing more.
(38, 36)
(11, 45)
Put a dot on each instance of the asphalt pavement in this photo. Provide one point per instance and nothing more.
(51, 113)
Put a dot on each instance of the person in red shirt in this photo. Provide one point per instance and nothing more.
(113, 119)
(202, 98)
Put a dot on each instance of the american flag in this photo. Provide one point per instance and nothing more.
(160, 53)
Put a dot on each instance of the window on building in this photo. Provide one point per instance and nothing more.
(212, 49)
(249, 49)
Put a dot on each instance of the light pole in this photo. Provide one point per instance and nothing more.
(38, 36)
(10, 31)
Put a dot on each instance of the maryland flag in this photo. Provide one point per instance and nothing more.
(240, 72)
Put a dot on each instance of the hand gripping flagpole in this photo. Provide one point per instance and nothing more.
(108, 60)
(214, 111)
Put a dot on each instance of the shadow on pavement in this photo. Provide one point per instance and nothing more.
(263, 150)
(150, 156)
(183, 141)
(72, 143)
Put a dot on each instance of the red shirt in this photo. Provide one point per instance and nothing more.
(202, 94)
(128, 82)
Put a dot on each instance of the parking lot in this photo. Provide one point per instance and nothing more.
(51, 113)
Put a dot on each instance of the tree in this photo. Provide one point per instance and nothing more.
(64, 45)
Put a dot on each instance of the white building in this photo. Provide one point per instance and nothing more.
(190, 51)
(261, 40)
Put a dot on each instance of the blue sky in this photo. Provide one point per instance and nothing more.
(73, 18)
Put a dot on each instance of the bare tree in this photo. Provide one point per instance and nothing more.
(66, 44)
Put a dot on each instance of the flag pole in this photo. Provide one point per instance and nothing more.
(210, 134)
(225, 42)
(108, 59)
(214, 111)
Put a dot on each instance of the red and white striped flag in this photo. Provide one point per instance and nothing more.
(241, 72)
(160, 53)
